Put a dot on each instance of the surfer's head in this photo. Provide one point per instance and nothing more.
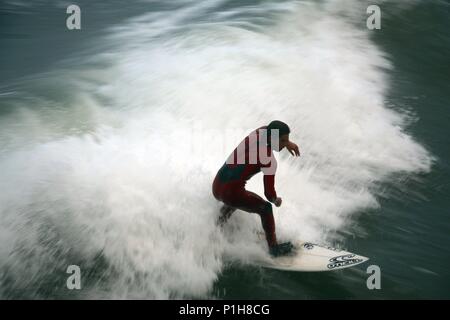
(283, 134)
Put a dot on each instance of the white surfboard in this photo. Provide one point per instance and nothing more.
(312, 257)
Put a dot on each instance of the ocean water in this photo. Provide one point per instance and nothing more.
(110, 137)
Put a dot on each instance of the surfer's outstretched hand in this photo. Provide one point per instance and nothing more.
(293, 149)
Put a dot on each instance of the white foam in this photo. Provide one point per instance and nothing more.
(168, 110)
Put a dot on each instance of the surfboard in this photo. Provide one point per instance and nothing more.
(313, 257)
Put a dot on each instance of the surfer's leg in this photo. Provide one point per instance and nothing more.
(226, 210)
(268, 223)
(251, 202)
(225, 213)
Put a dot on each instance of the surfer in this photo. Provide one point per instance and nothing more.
(254, 154)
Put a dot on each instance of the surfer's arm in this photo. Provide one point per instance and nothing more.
(269, 171)
(269, 190)
(269, 187)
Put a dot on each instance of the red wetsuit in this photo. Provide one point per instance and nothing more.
(249, 158)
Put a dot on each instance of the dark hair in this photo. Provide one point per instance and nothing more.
(282, 128)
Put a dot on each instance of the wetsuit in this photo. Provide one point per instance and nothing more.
(249, 158)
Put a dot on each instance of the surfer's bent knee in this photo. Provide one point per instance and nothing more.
(267, 208)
